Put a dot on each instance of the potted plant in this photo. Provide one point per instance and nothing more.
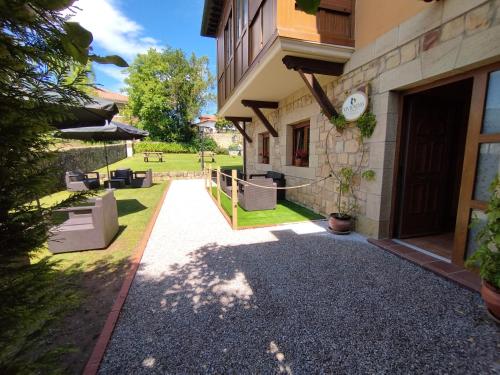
(487, 255)
(341, 222)
(301, 157)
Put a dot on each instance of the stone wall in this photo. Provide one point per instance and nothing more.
(224, 140)
(445, 39)
(87, 159)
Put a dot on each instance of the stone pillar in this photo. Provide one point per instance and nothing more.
(130, 149)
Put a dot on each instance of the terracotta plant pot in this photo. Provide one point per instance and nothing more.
(340, 224)
(491, 297)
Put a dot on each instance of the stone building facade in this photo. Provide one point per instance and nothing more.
(431, 72)
(444, 40)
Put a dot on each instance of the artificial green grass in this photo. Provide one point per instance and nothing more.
(285, 212)
(175, 162)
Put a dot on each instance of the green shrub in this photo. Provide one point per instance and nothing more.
(221, 151)
(208, 144)
(366, 124)
(171, 148)
(234, 147)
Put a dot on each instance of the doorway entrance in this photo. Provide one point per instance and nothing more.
(432, 148)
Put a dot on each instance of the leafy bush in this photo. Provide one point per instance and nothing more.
(208, 144)
(234, 147)
(179, 148)
(487, 256)
(339, 122)
(366, 124)
(221, 151)
(171, 148)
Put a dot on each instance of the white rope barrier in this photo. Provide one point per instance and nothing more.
(280, 188)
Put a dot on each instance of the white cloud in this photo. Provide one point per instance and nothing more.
(113, 31)
(115, 72)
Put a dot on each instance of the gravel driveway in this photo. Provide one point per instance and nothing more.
(289, 299)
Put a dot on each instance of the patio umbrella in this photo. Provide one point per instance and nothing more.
(97, 113)
(113, 131)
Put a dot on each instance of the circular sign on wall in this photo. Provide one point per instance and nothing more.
(354, 106)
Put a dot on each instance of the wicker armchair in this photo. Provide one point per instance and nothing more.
(142, 179)
(87, 227)
(278, 178)
(80, 181)
(253, 198)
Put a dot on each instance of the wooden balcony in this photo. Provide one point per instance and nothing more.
(245, 38)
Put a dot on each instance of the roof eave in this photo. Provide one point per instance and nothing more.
(212, 11)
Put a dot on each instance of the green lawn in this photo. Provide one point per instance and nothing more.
(285, 212)
(135, 208)
(94, 277)
(175, 162)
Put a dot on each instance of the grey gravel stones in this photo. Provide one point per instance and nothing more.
(292, 299)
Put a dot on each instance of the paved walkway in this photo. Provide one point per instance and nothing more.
(290, 299)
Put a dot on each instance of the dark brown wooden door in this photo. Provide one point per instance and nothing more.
(425, 186)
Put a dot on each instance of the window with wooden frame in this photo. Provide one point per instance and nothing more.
(264, 154)
(300, 144)
(228, 39)
(241, 17)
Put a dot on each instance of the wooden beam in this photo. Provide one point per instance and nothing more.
(239, 119)
(313, 66)
(236, 124)
(318, 93)
(265, 121)
(259, 104)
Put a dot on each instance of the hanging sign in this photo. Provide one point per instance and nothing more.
(354, 106)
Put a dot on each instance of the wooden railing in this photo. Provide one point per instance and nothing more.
(233, 219)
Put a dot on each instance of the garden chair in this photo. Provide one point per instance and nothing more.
(122, 174)
(253, 198)
(142, 179)
(80, 181)
(278, 178)
(87, 227)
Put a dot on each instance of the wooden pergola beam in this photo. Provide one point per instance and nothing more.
(236, 120)
(307, 68)
(313, 66)
(318, 93)
(256, 105)
(259, 104)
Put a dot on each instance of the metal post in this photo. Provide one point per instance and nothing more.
(234, 199)
(107, 165)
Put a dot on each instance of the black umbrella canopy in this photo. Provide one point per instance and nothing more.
(96, 113)
(114, 131)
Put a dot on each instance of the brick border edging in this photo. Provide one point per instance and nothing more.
(97, 355)
(448, 271)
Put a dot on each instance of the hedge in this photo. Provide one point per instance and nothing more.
(176, 148)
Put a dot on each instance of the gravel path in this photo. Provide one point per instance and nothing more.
(290, 299)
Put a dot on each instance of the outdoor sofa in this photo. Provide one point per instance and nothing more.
(254, 198)
(88, 227)
(80, 181)
(122, 174)
(142, 179)
(279, 180)
(226, 181)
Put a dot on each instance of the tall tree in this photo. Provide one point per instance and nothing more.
(39, 47)
(166, 92)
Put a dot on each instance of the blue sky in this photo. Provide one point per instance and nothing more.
(128, 27)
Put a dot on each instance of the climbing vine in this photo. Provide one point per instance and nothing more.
(348, 178)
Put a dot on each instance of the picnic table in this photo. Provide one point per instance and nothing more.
(207, 154)
(154, 154)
